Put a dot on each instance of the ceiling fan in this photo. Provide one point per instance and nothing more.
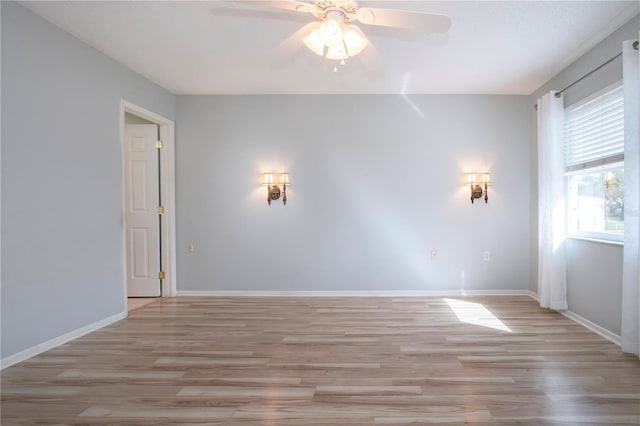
(334, 35)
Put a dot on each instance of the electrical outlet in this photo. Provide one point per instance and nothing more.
(434, 254)
(487, 256)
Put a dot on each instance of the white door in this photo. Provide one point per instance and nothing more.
(141, 210)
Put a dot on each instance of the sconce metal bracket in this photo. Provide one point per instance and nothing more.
(274, 193)
(477, 192)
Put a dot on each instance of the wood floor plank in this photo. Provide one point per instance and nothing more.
(299, 361)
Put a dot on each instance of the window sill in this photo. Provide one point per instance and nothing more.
(596, 240)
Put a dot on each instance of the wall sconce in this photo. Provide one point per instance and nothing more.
(476, 189)
(273, 188)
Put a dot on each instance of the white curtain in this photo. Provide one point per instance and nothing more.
(631, 267)
(552, 284)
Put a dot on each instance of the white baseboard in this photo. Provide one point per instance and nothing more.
(366, 293)
(50, 344)
(612, 337)
(532, 295)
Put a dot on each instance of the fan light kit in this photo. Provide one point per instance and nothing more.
(336, 38)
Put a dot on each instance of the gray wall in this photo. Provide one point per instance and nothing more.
(594, 270)
(376, 184)
(593, 291)
(61, 226)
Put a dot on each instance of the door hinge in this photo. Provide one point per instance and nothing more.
(160, 210)
(161, 275)
(159, 144)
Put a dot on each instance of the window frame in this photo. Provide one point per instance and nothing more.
(594, 166)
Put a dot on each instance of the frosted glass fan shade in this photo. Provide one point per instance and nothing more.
(314, 42)
(337, 52)
(331, 33)
(354, 40)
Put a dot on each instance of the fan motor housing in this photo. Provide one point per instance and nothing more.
(347, 7)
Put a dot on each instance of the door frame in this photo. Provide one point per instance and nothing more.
(167, 181)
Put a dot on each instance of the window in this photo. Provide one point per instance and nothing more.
(594, 166)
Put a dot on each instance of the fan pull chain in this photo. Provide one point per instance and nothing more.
(335, 68)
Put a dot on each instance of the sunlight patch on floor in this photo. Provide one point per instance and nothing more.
(475, 313)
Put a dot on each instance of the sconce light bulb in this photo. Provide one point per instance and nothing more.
(268, 179)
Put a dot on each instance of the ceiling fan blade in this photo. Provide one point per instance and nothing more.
(371, 61)
(233, 11)
(292, 5)
(418, 21)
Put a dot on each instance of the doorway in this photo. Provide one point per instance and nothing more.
(143, 206)
(148, 209)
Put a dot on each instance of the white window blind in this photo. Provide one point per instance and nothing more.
(594, 132)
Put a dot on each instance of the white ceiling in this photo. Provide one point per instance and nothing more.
(509, 47)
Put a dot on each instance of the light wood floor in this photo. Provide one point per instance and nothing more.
(138, 302)
(329, 361)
